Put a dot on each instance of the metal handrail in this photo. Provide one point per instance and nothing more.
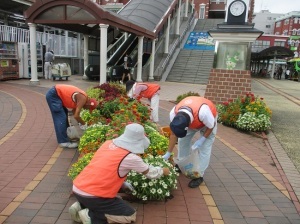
(176, 43)
(114, 48)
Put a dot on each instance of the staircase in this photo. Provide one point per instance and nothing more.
(193, 66)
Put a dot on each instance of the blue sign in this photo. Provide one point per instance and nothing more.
(200, 41)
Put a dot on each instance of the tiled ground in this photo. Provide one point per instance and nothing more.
(242, 184)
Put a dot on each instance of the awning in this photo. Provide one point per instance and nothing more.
(271, 52)
(140, 17)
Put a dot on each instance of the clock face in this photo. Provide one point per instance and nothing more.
(237, 8)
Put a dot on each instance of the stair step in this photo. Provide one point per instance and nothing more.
(193, 66)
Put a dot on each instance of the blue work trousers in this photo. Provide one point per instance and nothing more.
(59, 115)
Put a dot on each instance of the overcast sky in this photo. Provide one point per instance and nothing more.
(277, 6)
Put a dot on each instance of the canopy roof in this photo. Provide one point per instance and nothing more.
(271, 52)
(141, 17)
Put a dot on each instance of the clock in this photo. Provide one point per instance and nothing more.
(237, 8)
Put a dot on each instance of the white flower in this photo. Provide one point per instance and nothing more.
(144, 198)
(150, 183)
(153, 191)
(135, 183)
(144, 185)
(159, 191)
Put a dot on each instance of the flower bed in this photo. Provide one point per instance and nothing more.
(247, 113)
(108, 121)
(156, 189)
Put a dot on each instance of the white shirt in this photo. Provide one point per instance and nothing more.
(205, 115)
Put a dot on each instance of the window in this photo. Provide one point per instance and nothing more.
(286, 22)
(297, 43)
(279, 43)
(296, 20)
(278, 24)
(269, 18)
(294, 31)
(202, 11)
(292, 43)
(260, 45)
(285, 32)
(298, 33)
(268, 26)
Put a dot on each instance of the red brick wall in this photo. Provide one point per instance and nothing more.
(227, 84)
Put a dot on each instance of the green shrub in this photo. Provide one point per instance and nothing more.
(94, 93)
(181, 97)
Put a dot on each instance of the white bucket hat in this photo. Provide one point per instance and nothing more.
(133, 139)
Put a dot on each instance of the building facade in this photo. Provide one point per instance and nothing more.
(265, 21)
(289, 25)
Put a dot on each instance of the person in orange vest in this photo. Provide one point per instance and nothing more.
(97, 185)
(191, 115)
(60, 98)
(145, 90)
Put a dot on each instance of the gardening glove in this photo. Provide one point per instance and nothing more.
(83, 126)
(127, 187)
(198, 143)
(167, 155)
(130, 99)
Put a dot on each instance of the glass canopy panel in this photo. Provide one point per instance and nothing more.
(75, 13)
(55, 13)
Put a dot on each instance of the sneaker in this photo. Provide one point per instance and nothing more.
(178, 170)
(84, 216)
(195, 182)
(70, 145)
(73, 210)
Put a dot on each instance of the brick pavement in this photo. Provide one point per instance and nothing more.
(242, 185)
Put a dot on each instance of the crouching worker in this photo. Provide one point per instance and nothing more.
(145, 90)
(60, 98)
(98, 184)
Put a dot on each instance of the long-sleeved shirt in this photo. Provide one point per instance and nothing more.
(49, 57)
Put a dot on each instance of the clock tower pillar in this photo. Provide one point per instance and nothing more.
(230, 76)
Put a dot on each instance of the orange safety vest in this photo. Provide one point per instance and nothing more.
(193, 104)
(150, 91)
(66, 92)
(101, 177)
